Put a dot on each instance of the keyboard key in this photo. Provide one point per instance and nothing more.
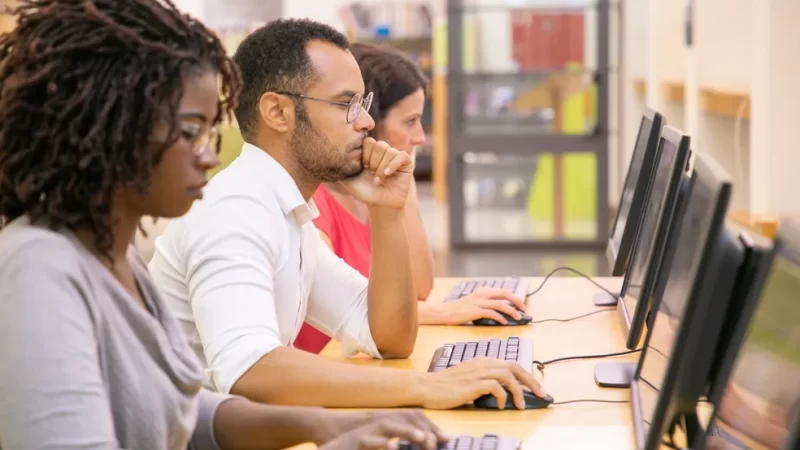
(510, 349)
(472, 347)
(467, 287)
(494, 349)
(464, 443)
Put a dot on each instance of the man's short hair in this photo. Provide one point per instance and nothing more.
(274, 58)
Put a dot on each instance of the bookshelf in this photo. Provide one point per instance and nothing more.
(527, 123)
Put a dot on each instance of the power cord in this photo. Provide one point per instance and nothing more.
(570, 319)
(541, 364)
(737, 139)
(576, 272)
(566, 402)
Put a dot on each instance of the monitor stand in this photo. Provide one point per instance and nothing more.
(614, 374)
(603, 299)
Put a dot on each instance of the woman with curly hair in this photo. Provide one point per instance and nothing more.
(108, 112)
(399, 89)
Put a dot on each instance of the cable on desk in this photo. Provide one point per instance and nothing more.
(576, 272)
(541, 364)
(570, 319)
(566, 402)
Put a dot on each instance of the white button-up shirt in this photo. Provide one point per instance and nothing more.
(246, 266)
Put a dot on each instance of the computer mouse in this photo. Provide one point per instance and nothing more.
(524, 320)
(489, 401)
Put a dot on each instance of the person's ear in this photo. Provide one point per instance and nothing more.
(276, 111)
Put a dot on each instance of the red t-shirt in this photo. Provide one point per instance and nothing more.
(351, 242)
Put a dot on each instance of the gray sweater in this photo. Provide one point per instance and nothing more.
(82, 364)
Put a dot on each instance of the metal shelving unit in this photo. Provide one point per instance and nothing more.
(528, 149)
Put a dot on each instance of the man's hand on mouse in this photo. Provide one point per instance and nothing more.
(484, 303)
(386, 178)
(459, 385)
(382, 430)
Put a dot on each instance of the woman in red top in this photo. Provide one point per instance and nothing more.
(399, 88)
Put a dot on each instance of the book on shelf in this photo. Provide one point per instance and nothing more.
(547, 40)
(387, 20)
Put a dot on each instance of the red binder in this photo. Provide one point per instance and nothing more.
(547, 40)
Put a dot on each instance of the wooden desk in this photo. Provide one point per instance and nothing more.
(572, 426)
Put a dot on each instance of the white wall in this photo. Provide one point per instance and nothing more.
(721, 59)
(775, 158)
(746, 47)
(194, 8)
(724, 35)
(320, 10)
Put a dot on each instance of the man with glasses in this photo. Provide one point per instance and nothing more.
(246, 267)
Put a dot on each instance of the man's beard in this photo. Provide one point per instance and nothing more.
(318, 157)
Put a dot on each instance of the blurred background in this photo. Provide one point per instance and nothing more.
(534, 108)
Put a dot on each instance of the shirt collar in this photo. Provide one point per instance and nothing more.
(283, 186)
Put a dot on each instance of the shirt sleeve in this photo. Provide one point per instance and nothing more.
(203, 437)
(337, 303)
(52, 394)
(230, 273)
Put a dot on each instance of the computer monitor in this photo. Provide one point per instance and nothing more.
(793, 443)
(758, 257)
(638, 286)
(640, 171)
(759, 401)
(689, 311)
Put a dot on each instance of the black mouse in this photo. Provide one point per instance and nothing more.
(489, 401)
(524, 320)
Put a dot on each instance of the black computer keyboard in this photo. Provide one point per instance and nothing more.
(486, 442)
(511, 349)
(519, 286)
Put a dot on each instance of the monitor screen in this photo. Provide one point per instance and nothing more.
(672, 306)
(645, 243)
(637, 160)
(761, 400)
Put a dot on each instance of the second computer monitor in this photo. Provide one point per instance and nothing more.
(648, 250)
(640, 171)
(759, 405)
(687, 317)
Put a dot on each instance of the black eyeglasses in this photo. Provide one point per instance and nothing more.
(354, 106)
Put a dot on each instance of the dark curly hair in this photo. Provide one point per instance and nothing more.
(274, 58)
(389, 74)
(82, 84)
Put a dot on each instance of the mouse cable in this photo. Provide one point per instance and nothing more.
(576, 272)
(570, 319)
(541, 364)
(591, 401)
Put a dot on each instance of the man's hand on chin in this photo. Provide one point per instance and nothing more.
(386, 178)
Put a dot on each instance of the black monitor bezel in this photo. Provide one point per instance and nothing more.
(633, 321)
(619, 253)
(686, 372)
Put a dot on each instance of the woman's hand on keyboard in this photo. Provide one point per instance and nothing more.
(463, 383)
(484, 303)
(385, 429)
